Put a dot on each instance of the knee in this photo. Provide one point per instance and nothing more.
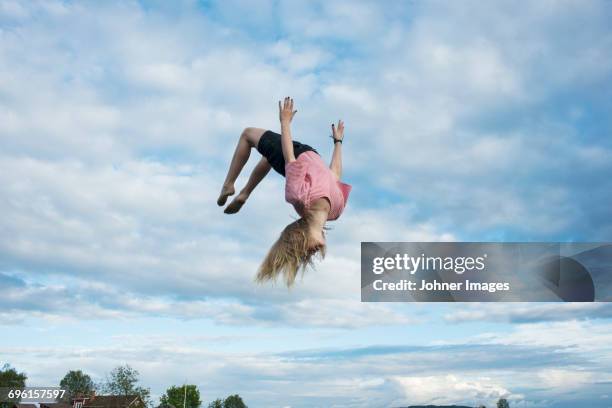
(248, 134)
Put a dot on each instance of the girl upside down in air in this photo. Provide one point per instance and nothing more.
(313, 188)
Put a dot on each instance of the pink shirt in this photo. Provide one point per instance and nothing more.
(308, 178)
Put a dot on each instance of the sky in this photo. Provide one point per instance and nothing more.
(465, 121)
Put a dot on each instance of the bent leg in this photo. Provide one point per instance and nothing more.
(259, 173)
(248, 139)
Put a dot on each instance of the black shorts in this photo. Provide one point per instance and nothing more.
(271, 148)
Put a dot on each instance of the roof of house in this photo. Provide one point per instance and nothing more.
(55, 405)
(20, 405)
(111, 401)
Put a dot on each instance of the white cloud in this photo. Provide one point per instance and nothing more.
(570, 334)
(450, 389)
(477, 372)
(564, 379)
(523, 313)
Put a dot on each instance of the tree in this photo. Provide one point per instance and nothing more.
(216, 404)
(503, 403)
(234, 401)
(9, 377)
(76, 383)
(175, 395)
(122, 380)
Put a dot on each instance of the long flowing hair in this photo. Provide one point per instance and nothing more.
(289, 254)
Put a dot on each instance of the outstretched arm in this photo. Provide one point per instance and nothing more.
(336, 161)
(286, 114)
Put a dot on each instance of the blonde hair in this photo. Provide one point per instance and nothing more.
(289, 254)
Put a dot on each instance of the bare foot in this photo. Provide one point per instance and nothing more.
(226, 191)
(236, 204)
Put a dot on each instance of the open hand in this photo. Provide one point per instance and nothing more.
(286, 112)
(338, 131)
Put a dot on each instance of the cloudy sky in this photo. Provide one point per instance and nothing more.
(465, 121)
